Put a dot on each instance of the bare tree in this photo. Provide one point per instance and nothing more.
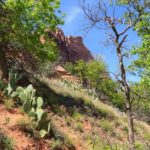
(116, 29)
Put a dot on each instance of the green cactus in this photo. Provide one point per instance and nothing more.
(32, 105)
(39, 113)
(43, 133)
(11, 86)
(27, 107)
(39, 102)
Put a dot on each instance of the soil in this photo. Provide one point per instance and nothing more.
(8, 123)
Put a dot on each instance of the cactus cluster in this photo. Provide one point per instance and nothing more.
(32, 105)
(11, 86)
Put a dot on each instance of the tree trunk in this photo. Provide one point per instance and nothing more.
(131, 130)
(3, 65)
(130, 121)
(128, 100)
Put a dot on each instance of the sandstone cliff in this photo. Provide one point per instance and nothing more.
(71, 48)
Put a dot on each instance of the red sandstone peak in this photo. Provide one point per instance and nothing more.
(71, 48)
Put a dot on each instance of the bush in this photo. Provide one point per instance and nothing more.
(9, 104)
(6, 143)
(77, 116)
(28, 126)
(2, 85)
(106, 125)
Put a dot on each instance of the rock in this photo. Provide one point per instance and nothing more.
(62, 73)
(71, 48)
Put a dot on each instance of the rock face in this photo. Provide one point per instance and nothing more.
(71, 48)
(62, 73)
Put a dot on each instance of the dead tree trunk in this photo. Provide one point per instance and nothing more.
(3, 65)
(127, 100)
(99, 17)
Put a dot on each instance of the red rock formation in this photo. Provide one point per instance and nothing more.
(71, 48)
(62, 73)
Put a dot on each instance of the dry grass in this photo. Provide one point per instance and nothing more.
(107, 135)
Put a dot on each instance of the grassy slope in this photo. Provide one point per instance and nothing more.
(87, 123)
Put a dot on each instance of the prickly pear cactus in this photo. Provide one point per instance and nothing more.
(32, 105)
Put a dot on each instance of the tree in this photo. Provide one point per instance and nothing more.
(139, 12)
(142, 64)
(116, 27)
(94, 75)
(23, 23)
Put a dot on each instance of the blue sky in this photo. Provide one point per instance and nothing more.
(94, 39)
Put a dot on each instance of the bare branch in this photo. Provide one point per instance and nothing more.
(125, 30)
(123, 40)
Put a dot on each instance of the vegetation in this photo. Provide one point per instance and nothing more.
(100, 17)
(22, 26)
(99, 112)
(6, 142)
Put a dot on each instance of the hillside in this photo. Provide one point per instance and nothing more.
(54, 95)
(78, 121)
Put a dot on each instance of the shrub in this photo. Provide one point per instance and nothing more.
(6, 143)
(77, 116)
(106, 125)
(60, 110)
(9, 104)
(147, 136)
(2, 85)
(56, 144)
(28, 126)
(139, 146)
(80, 126)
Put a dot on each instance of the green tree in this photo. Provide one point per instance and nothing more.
(81, 71)
(142, 64)
(22, 23)
(139, 15)
(96, 72)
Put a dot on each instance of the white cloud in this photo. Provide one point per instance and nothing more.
(72, 14)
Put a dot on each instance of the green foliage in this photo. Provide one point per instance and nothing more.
(80, 126)
(106, 125)
(147, 136)
(12, 82)
(61, 137)
(142, 63)
(98, 82)
(9, 103)
(60, 110)
(77, 116)
(28, 126)
(2, 85)
(5, 142)
(23, 23)
(139, 146)
(141, 105)
(70, 67)
(58, 144)
(32, 105)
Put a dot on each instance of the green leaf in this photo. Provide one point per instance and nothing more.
(43, 133)
(23, 97)
(29, 88)
(39, 102)
(14, 94)
(27, 107)
(19, 89)
(9, 89)
(49, 126)
(39, 113)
